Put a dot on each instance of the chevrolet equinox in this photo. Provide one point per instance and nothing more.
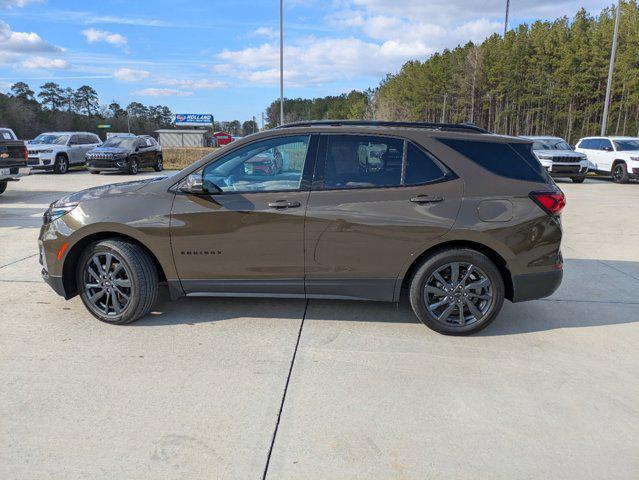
(458, 217)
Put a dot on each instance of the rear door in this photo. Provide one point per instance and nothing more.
(376, 203)
(247, 239)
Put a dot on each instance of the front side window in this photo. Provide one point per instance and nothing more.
(354, 161)
(605, 144)
(627, 145)
(275, 164)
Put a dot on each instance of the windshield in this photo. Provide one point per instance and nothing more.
(550, 144)
(625, 145)
(123, 142)
(51, 139)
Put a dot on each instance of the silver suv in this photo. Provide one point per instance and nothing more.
(58, 151)
(559, 158)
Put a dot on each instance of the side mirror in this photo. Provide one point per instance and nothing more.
(193, 184)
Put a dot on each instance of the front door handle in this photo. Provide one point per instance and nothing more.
(422, 199)
(281, 204)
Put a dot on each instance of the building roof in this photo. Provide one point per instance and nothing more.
(174, 130)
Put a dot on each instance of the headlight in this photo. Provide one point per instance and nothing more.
(46, 151)
(56, 211)
(636, 159)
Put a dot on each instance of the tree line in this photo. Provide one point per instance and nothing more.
(55, 108)
(546, 78)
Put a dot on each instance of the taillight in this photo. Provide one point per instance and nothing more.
(551, 202)
(26, 153)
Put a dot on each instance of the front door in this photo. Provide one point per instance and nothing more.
(247, 238)
(76, 150)
(376, 203)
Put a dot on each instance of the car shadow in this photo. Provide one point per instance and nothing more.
(594, 293)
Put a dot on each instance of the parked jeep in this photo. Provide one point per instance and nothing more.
(127, 154)
(616, 157)
(13, 158)
(559, 158)
(57, 151)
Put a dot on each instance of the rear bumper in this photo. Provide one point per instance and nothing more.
(13, 173)
(55, 283)
(531, 286)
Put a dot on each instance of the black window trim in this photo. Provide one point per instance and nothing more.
(307, 171)
(320, 162)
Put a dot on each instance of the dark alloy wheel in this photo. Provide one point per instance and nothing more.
(3, 187)
(620, 173)
(457, 292)
(159, 164)
(134, 166)
(117, 281)
(61, 165)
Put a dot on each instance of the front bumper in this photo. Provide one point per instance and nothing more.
(560, 169)
(532, 286)
(108, 165)
(41, 162)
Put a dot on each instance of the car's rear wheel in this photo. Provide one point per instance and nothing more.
(117, 280)
(3, 187)
(134, 166)
(578, 179)
(620, 173)
(457, 292)
(159, 164)
(61, 165)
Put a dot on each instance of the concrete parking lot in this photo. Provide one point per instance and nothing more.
(201, 388)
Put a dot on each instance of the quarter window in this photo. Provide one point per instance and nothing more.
(421, 167)
(275, 164)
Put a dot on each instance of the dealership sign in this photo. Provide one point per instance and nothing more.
(193, 119)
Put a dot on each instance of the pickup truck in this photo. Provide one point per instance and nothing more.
(13, 158)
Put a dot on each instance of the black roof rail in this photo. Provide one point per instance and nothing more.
(447, 127)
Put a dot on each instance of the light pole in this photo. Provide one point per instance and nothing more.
(506, 19)
(281, 62)
(611, 67)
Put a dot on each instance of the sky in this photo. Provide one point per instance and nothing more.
(210, 56)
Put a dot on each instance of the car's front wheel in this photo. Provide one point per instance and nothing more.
(61, 165)
(159, 164)
(457, 291)
(134, 166)
(117, 281)
(620, 173)
(3, 187)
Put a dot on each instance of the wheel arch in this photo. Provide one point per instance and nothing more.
(493, 255)
(618, 161)
(73, 256)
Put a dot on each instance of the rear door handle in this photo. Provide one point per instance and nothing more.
(422, 199)
(280, 204)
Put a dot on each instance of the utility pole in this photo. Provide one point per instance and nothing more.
(443, 119)
(128, 123)
(610, 70)
(281, 62)
(262, 120)
(506, 19)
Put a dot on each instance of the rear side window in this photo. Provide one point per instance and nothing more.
(357, 161)
(421, 167)
(588, 144)
(507, 160)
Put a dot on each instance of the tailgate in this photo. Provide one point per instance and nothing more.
(12, 154)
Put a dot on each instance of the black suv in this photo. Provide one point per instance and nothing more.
(458, 218)
(126, 153)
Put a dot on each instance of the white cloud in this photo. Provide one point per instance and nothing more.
(17, 3)
(4, 86)
(265, 32)
(162, 92)
(45, 63)
(202, 84)
(315, 61)
(93, 35)
(13, 45)
(130, 74)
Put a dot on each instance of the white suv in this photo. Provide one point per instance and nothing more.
(612, 156)
(58, 151)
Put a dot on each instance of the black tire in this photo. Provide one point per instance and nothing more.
(578, 179)
(61, 165)
(483, 267)
(620, 173)
(3, 187)
(159, 164)
(140, 272)
(134, 166)
(95, 172)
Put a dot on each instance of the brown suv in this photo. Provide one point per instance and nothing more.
(354, 210)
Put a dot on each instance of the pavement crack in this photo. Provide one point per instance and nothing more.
(288, 379)
(18, 261)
